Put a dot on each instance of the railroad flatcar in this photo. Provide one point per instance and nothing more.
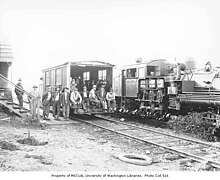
(85, 73)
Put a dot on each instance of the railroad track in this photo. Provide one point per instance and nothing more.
(198, 151)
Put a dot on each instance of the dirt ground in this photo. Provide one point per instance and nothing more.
(72, 146)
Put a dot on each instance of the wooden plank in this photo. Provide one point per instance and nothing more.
(9, 102)
(11, 108)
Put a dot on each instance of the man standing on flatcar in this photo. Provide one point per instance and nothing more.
(56, 102)
(73, 84)
(65, 103)
(46, 101)
(19, 92)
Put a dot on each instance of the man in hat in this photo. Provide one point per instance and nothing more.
(33, 99)
(76, 100)
(56, 97)
(93, 96)
(110, 97)
(46, 101)
(19, 93)
(101, 94)
(85, 99)
(65, 102)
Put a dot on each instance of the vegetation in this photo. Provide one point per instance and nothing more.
(194, 124)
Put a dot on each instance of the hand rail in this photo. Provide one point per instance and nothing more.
(13, 84)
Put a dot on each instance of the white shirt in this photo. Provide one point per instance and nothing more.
(57, 97)
(110, 96)
(84, 93)
(75, 96)
(49, 96)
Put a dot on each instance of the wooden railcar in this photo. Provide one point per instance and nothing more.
(84, 72)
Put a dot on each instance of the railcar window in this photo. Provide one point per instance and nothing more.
(102, 74)
(47, 78)
(58, 76)
(86, 76)
(131, 72)
(150, 70)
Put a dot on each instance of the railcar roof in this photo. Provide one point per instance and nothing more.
(145, 62)
(92, 63)
(83, 64)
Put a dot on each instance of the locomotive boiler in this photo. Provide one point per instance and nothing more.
(163, 89)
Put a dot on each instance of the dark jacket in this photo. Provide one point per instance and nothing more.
(62, 98)
(44, 99)
(55, 94)
(19, 92)
(100, 95)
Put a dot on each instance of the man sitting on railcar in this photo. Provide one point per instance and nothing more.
(85, 99)
(76, 100)
(102, 98)
(93, 97)
(110, 97)
(100, 84)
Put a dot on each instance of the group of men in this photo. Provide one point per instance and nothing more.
(69, 99)
(58, 98)
(73, 99)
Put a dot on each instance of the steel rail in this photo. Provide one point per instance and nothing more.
(163, 133)
(173, 150)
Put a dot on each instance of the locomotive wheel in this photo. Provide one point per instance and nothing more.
(135, 159)
(166, 117)
(156, 115)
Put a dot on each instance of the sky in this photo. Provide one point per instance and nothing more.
(45, 33)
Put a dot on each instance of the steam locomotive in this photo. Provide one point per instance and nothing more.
(157, 89)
